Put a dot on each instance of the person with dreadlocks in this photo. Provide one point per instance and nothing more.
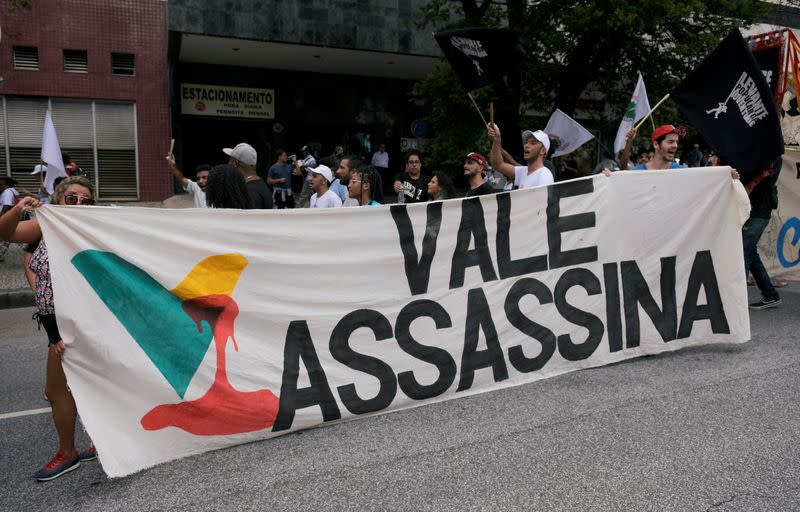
(362, 183)
(226, 188)
(441, 187)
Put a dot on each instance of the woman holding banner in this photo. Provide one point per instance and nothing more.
(75, 190)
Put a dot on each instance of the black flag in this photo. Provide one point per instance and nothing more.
(480, 56)
(728, 100)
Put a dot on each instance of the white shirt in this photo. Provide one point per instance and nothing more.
(9, 197)
(380, 159)
(198, 196)
(328, 200)
(538, 178)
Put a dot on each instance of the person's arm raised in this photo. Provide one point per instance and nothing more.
(25, 232)
(183, 180)
(496, 153)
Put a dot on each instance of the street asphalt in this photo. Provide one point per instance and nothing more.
(711, 428)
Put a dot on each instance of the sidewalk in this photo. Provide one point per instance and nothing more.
(14, 290)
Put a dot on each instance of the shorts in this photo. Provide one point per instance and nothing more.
(50, 326)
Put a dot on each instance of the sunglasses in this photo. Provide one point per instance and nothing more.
(73, 199)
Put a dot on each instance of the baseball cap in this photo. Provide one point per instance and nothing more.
(538, 135)
(39, 168)
(243, 152)
(661, 131)
(478, 158)
(324, 170)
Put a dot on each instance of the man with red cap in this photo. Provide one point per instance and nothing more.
(665, 145)
(474, 167)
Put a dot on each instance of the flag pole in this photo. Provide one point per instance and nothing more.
(476, 108)
(651, 112)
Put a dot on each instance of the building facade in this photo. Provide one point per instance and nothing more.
(100, 67)
(122, 78)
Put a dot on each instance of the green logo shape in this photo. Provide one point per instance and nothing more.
(150, 313)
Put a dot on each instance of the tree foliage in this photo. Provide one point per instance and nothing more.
(577, 45)
(25, 4)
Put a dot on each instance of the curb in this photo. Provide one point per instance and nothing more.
(19, 298)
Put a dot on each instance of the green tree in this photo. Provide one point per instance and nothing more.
(25, 4)
(577, 45)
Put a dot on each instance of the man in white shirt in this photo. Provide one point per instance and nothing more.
(196, 189)
(536, 146)
(324, 197)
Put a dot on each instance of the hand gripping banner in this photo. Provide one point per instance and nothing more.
(194, 330)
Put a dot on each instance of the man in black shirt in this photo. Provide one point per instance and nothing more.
(763, 199)
(412, 186)
(243, 158)
(474, 167)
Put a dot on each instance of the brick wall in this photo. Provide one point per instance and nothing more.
(99, 27)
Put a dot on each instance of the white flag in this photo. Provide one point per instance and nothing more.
(638, 107)
(51, 154)
(571, 134)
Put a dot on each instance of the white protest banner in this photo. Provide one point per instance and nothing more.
(194, 330)
(569, 132)
(779, 246)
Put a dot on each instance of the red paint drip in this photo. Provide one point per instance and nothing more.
(223, 410)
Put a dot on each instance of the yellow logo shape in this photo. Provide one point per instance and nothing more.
(215, 275)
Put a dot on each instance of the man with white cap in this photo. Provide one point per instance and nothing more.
(44, 196)
(243, 157)
(474, 167)
(324, 197)
(536, 145)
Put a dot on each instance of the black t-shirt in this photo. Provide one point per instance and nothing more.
(485, 188)
(416, 190)
(259, 194)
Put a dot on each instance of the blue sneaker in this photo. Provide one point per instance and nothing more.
(89, 453)
(59, 465)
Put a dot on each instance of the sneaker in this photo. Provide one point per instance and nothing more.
(59, 465)
(89, 453)
(766, 303)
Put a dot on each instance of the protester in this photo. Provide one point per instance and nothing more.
(665, 145)
(763, 199)
(336, 185)
(347, 166)
(243, 157)
(71, 167)
(301, 167)
(361, 185)
(226, 188)
(40, 170)
(335, 158)
(380, 161)
(8, 198)
(441, 187)
(695, 157)
(74, 190)
(474, 167)
(196, 189)
(642, 156)
(8, 194)
(536, 145)
(279, 177)
(323, 197)
(411, 185)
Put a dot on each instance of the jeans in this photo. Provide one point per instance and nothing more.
(751, 233)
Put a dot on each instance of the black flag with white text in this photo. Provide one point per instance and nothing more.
(480, 56)
(727, 98)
